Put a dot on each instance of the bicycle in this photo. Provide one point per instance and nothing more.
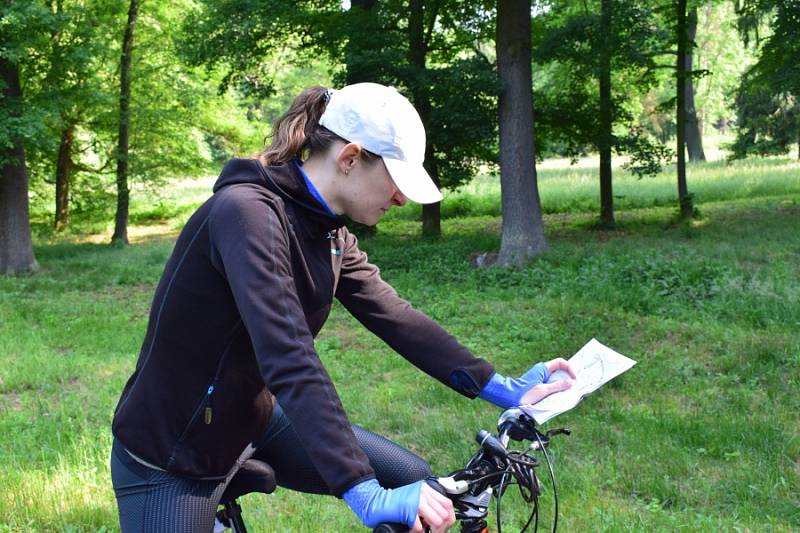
(488, 473)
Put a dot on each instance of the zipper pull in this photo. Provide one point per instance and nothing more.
(207, 414)
(335, 250)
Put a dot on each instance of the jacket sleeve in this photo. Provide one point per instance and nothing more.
(250, 246)
(409, 332)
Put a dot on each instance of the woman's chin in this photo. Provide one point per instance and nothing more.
(367, 220)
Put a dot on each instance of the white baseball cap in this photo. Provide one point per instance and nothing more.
(385, 123)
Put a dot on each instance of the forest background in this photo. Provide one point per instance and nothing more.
(691, 268)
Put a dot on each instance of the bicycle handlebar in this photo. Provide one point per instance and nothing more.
(490, 471)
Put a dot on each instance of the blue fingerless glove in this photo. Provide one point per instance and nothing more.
(507, 392)
(374, 505)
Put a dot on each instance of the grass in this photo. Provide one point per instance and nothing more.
(702, 435)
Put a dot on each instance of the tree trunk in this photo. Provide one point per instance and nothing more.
(684, 199)
(360, 20)
(605, 138)
(432, 213)
(63, 176)
(418, 49)
(16, 246)
(523, 230)
(694, 137)
(123, 192)
(359, 17)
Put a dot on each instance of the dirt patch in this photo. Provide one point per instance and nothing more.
(10, 401)
(120, 293)
(136, 234)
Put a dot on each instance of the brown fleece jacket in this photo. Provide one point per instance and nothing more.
(248, 286)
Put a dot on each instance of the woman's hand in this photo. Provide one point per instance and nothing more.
(531, 387)
(539, 392)
(410, 505)
(435, 510)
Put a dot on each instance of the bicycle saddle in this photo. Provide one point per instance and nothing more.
(253, 476)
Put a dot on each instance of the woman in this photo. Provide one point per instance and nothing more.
(228, 370)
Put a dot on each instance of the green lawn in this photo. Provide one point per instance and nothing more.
(702, 435)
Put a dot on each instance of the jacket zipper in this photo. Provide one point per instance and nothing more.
(208, 413)
(205, 405)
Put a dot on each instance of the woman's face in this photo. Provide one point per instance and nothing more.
(369, 191)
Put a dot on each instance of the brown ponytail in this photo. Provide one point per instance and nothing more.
(297, 132)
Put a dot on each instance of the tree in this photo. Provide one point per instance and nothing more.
(681, 36)
(417, 48)
(123, 192)
(73, 88)
(25, 26)
(584, 55)
(438, 49)
(605, 134)
(523, 229)
(16, 247)
(694, 136)
(767, 99)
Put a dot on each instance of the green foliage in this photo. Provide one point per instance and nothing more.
(720, 52)
(571, 43)
(239, 35)
(248, 41)
(646, 153)
(768, 111)
(768, 123)
(69, 54)
(25, 28)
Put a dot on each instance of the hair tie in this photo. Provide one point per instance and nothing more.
(328, 95)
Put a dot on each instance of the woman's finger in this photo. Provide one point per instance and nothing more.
(433, 509)
(417, 526)
(436, 509)
(540, 392)
(561, 364)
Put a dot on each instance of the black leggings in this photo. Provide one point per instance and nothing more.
(150, 500)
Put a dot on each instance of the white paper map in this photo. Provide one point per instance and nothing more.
(594, 365)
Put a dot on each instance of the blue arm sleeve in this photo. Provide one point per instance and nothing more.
(507, 392)
(374, 505)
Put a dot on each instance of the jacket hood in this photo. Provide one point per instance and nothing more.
(286, 181)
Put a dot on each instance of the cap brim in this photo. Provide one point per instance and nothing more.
(413, 181)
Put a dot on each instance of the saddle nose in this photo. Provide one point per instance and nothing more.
(253, 476)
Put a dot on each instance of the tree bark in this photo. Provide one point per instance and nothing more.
(523, 230)
(16, 245)
(64, 168)
(605, 138)
(684, 199)
(123, 192)
(694, 136)
(418, 49)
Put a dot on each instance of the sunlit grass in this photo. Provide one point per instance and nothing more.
(567, 189)
(702, 435)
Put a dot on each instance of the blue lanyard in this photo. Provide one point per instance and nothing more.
(313, 190)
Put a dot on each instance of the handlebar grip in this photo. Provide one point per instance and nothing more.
(387, 527)
(490, 443)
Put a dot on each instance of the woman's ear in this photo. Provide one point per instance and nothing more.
(347, 157)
